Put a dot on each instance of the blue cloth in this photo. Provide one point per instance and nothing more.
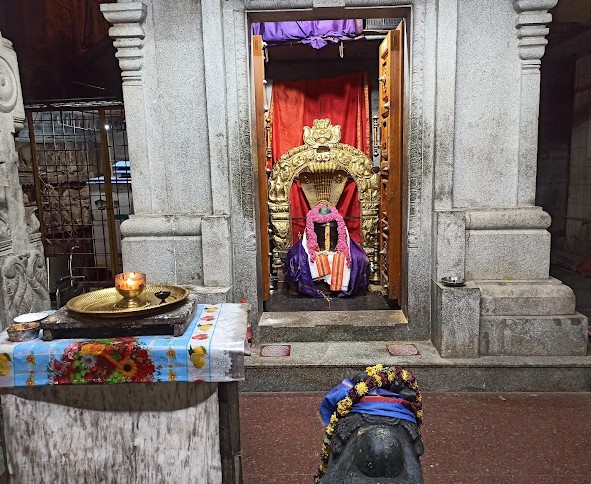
(383, 409)
(297, 270)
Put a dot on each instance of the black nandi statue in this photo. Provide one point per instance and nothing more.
(372, 429)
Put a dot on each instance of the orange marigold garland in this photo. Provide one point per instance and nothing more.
(378, 376)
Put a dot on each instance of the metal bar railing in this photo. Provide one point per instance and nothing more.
(106, 159)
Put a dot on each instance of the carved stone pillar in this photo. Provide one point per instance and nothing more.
(180, 232)
(128, 34)
(488, 230)
(127, 19)
(23, 277)
(531, 21)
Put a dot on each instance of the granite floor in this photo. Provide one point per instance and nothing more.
(470, 438)
(284, 300)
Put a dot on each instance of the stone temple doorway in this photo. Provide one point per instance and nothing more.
(468, 184)
(353, 89)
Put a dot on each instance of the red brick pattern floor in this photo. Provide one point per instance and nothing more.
(470, 438)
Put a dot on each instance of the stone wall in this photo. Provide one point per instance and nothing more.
(556, 105)
(471, 100)
(487, 106)
(578, 223)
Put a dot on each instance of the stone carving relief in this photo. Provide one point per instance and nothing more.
(11, 99)
(4, 228)
(23, 278)
(32, 220)
(25, 283)
(8, 87)
(416, 154)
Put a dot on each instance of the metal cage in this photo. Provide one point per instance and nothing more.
(74, 168)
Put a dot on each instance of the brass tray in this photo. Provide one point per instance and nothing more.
(101, 303)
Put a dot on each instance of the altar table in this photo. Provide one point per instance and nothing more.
(127, 409)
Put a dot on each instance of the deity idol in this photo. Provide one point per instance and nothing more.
(326, 253)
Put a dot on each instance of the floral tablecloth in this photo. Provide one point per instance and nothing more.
(212, 349)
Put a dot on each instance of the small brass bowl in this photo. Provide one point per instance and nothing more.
(131, 293)
(23, 331)
(130, 285)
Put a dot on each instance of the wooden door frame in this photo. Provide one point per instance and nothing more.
(391, 100)
(258, 60)
(259, 141)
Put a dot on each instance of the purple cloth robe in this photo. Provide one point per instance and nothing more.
(297, 270)
(316, 33)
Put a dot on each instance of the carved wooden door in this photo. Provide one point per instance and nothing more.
(390, 122)
(258, 57)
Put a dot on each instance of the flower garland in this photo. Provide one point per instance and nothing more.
(314, 216)
(378, 376)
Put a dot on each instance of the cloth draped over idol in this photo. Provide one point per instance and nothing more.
(378, 401)
(344, 269)
(295, 104)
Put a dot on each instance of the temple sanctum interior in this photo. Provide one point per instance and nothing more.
(241, 232)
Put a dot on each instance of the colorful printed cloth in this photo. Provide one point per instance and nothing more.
(212, 349)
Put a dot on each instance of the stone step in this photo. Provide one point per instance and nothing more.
(310, 326)
(320, 366)
(526, 299)
(565, 335)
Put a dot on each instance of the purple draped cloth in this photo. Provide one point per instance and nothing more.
(297, 271)
(316, 33)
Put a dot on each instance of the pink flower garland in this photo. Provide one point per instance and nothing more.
(314, 216)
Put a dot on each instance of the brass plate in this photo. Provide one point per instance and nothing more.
(102, 303)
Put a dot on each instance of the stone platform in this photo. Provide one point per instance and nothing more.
(316, 366)
(332, 325)
(327, 346)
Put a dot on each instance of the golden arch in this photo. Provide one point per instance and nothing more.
(322, 155)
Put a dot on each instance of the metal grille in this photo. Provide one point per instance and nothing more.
(380, 24)
(77, 175)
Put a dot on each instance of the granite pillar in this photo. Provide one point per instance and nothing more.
(488, 229)
(174, 146)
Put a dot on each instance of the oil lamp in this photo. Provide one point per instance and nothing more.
(130, 285)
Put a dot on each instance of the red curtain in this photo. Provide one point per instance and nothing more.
(295, 104)
(343, 99)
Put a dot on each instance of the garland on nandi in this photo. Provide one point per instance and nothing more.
(378, 376)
